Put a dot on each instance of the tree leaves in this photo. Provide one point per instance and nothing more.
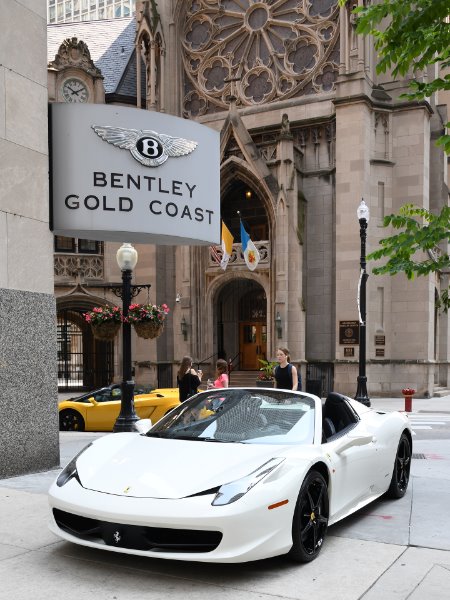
(415, 249)
(409, 36)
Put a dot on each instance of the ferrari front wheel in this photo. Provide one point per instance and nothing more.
(310, 521)
(70, 420)
(402, 467)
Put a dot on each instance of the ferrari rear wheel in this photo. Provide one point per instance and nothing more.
(402, 467)
(70, 420)
(310, 522)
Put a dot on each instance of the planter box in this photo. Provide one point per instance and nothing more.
(266, 384)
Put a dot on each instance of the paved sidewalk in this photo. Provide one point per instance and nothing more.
(390, 550)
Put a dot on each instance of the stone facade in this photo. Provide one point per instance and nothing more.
(29, 426)
(307, 130)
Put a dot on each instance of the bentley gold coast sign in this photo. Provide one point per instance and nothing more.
(121, 173)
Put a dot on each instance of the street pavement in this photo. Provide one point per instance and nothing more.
(389, 550)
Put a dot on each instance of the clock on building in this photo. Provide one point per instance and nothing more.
(74, 90)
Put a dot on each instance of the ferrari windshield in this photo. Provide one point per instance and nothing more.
(241, 415)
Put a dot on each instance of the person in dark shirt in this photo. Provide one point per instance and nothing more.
(188, 379)
(285, 374)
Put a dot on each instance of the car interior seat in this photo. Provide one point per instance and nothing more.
(328, 428)
(336, 411)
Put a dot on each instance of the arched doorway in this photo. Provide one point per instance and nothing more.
(84, 363)
(241, 311)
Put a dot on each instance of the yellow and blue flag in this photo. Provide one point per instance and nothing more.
(249, 250)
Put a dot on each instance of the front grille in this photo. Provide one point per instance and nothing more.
(136, 537)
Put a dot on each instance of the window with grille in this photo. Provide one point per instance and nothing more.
(80, 246)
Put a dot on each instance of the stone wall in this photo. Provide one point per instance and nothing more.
(29, 425)
(28, 386)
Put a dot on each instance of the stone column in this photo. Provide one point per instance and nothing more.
(289, 252)
(29, 439)
(353, 143)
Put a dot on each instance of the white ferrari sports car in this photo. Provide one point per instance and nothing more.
(233, 475)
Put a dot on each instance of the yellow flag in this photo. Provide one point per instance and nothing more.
(227, 246)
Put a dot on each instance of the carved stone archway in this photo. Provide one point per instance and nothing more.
(84, 363)
(238, 284)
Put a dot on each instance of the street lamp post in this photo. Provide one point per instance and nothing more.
(126, 259)
(361, 391)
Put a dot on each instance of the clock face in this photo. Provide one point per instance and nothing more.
(74, 90)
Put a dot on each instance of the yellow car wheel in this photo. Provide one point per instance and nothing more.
(70, 420)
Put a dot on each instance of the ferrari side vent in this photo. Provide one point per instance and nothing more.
(419, 456)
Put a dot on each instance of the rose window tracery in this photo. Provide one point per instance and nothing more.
(257, 51)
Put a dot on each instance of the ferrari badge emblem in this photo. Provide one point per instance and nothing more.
(117, 537)
(148, 147)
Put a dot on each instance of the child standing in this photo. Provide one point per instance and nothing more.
(285, 374)
(221, 380)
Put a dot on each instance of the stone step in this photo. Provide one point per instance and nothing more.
(440, 392)
(243, 378)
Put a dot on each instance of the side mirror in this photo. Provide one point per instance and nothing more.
(349, 441)
(92, 400)
(143, 425)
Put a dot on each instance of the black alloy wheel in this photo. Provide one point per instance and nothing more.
(402, 467)
(310, 521)
(70, 420)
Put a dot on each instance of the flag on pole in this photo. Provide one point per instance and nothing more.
(227, 246)
(249, 250)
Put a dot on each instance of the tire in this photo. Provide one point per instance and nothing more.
(402, 467)
(310, 522)
(70, 420)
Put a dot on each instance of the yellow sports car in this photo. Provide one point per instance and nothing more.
(98, 410)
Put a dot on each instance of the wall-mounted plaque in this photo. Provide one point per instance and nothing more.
(348, 352)
(349, 333)
(380, 340)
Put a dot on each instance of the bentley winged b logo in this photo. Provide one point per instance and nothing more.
(148, 147)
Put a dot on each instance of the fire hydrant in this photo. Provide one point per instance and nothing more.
(408, 394)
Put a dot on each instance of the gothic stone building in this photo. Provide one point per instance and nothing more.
(307, 129)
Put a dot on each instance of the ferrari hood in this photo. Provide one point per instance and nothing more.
(137, 466)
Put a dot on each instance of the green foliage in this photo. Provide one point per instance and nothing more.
(409, 36)
(267, 369)
(413, 250)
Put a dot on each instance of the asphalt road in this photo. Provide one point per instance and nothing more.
(430, 426)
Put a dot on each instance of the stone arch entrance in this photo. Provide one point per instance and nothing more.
(84, 363)
(241, 323)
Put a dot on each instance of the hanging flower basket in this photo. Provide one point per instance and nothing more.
(105, 322)
(147, 319)
(106, 331)
(148, 329)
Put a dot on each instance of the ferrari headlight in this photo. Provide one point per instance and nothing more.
(230, 492)
(70, 470)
